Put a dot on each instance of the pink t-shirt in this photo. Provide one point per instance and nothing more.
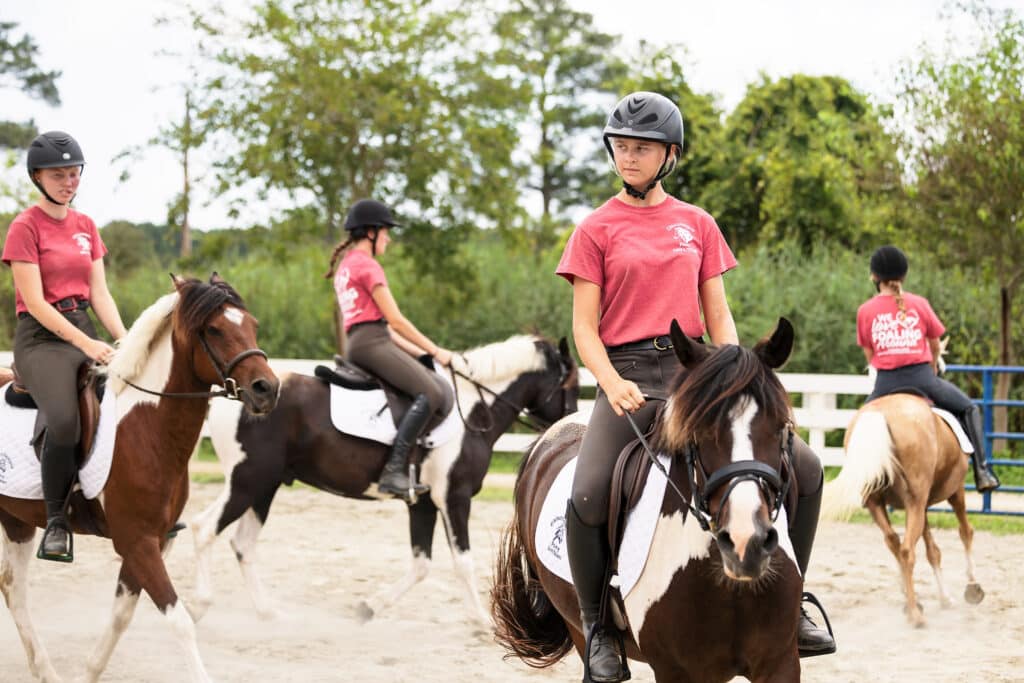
(357, 275)
(897, 339)
(648, 262)
(64, 250)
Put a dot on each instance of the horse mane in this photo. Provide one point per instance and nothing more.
(705, 395)
(503, 360)
(188, 308)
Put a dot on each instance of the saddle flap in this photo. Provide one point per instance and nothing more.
(89, 389)
(629, 477)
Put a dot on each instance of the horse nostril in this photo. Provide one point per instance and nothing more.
(771, 540)
(261, 387)
(725, 541)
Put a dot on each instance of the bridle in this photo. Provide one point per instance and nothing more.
(231, 389)
(773, 483)
(531, 419)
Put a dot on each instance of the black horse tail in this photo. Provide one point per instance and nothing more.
(527, 625)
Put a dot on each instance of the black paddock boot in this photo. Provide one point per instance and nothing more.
(588, 561)
(59, 471)
(395, 477)
(811, 639)
(985, 479)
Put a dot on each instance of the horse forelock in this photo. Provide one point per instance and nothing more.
(133, 350)
(200, 300)
(503, 360)
(702, 402)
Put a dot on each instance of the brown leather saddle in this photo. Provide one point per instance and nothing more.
(347, 374)
(89, 394)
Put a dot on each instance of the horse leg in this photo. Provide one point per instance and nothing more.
(143, 561)
(244, 544)
(935, 560)
(205, 530)
(881, 517)
(916, 520)
(126, 597)
(422, 518)
(18, 540)
(457, 525)
(973, 593)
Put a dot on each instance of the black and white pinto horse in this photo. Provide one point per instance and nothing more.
(298, 441)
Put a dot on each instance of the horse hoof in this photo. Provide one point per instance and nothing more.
(364, 612)
(973, 594)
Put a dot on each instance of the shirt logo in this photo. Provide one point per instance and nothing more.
(348, 296)
(84, 242)
(897, 333)
(683, 235)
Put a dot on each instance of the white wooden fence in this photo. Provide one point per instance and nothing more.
(815, 396)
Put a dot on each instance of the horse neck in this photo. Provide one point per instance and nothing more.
(495, 413)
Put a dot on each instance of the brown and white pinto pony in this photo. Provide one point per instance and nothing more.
(719, 595)
(899, 453)
(298, 441)
(198, 336)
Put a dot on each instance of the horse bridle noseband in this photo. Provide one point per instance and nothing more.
(533, 421)
(774, 483)
(231, 389)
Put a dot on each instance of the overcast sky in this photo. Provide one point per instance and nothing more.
(116, 90)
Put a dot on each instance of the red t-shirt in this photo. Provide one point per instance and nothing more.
(898, 339)
(357, 275)
(64, 250)
(648, 262)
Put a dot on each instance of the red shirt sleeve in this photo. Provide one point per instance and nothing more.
(717, 257)
(22, 243)
(582, 258)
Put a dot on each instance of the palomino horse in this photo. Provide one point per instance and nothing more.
(719, 594)
(493, 384)
(189, 340)
(900, 453)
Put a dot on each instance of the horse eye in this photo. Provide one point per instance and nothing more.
(213, 331)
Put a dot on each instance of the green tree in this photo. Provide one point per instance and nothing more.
(964, 138)
(561, 64)
(18, 69)
(807, 158)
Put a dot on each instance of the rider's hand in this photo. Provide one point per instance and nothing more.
(624, 396)
(98, 350)
(443, 356)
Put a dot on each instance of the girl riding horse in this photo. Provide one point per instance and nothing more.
(56, 257)
(899, 333)
(638, 261)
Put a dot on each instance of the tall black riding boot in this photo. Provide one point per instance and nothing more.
(588, 561)
(984, 478)
(59, 470)
(811, 639)
(395, 477)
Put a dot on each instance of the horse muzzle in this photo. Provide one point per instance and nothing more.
(747, 558)
(260, 395)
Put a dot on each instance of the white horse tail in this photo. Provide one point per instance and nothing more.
(869, 465)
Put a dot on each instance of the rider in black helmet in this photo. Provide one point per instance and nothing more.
(899, 333)
(381, 339)
(56, 258)
(646, 116)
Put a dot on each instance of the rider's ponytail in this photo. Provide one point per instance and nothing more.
(334, 256)
(898, 286)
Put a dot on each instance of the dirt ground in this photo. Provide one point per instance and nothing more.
(321, 555)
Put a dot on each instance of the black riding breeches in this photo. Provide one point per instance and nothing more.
(920, 376)
(370, 347)
(607, 433)
(48, 366)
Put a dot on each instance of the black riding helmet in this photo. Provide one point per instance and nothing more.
(646, 116)
(369, 213)
(889, 263)
(53, 149)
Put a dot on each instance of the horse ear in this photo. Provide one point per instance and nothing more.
(215, 278)
(563, 347)
(774, 351)
(689, 352)
(177, 280)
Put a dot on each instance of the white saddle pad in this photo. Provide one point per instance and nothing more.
(366, 414)
(958, 429)
(636, 539)
(20, 474)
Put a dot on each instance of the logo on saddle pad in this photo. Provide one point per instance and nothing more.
(6, 464)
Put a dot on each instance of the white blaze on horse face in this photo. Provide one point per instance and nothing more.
(745, 498)
(235, 315)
